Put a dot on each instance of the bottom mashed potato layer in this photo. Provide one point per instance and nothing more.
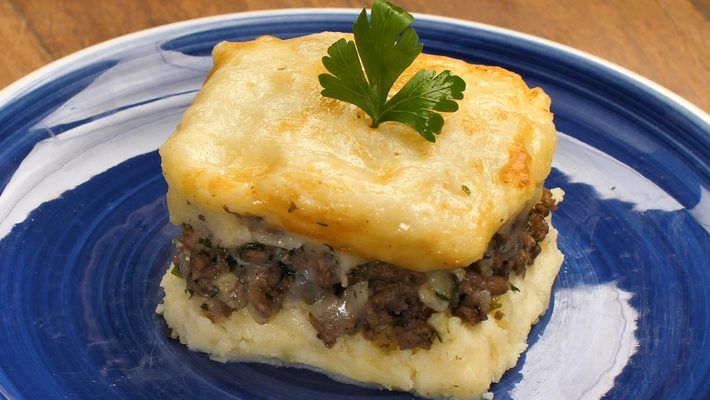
(462, 366)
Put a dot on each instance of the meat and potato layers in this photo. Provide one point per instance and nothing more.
(463, 365)
(260, 140)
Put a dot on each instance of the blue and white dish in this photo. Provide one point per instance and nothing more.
(85, 237)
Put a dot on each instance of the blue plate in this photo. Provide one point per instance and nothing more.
(85, 234)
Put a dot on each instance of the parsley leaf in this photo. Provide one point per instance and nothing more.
(386, 45)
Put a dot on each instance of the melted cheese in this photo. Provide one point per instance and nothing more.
(260, 140)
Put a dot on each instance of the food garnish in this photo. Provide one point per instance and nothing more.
(385, 46)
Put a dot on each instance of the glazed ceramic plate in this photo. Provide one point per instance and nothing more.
(85, 235)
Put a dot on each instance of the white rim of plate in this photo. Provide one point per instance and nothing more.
(7, 94)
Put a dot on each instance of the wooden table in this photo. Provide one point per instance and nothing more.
(665, 40)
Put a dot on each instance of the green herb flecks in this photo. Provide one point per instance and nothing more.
(207, 242)
(441, 295)
(384, 47)
(466, 190)
(437, 334)
(514, 288)
(176, 271)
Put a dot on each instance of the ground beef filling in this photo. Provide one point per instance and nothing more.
(386, 303)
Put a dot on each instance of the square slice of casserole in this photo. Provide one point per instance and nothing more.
(311, 239)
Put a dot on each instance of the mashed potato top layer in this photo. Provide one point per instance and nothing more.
(462, 366)
(260, 140)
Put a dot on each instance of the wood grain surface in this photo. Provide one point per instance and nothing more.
(667, 41)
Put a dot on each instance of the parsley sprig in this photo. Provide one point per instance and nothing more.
(385, 46)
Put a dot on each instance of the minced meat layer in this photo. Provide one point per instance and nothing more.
(381, 300)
